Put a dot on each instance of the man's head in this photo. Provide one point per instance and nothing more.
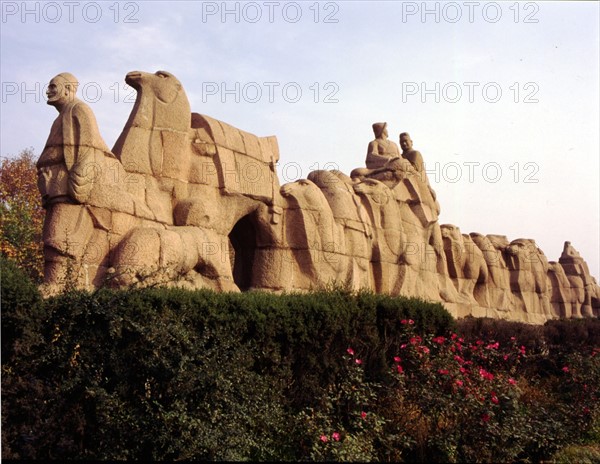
(380, 129)
(62, 89)
(405, 141)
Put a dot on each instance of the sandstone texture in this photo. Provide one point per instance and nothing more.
(183, 199)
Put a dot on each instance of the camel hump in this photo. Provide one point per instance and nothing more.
(245, 163)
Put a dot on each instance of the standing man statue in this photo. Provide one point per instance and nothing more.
(73, 162)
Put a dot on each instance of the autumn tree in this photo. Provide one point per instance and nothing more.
(21, 213)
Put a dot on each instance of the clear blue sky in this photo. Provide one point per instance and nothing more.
(500, 97)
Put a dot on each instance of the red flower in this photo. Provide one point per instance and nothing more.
(565, 369)
(522, 349)
(411, 322)
(350, 351)
(493, 346)
(495, 399)
(485, 417)
(324, 438)
(363, 415)
(397, 359)
(512, 381)
(439, 340)
(403, 322)
(358, 361)
(335, 436)
(399, 369)
(459, 382)
(443, 371)
(486, 375)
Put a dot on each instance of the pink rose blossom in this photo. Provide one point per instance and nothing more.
(358, 361)
(350, 351)
(397, 359)
(565, 369)
(459, 382)
(399, 369)
(443, 371)
(512, 381)
(363, 415)
(324, 438)
(439, 340)
(335, 436)
(411, 322)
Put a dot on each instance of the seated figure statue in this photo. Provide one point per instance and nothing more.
(381, 150)
(382, 155)
(416, 160)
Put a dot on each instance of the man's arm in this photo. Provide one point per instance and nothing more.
(87, 145)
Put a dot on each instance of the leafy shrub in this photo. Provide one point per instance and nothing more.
(174, 374)
(456, 399)
(168, 374)
(343, 425)
(573, 334)
(120, 379)
(577, 454)
(22, 311)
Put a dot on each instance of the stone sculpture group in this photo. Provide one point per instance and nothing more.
(183, 199)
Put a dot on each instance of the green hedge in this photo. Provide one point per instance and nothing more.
(168, 374)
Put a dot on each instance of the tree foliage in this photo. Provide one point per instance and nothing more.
(21, 213)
